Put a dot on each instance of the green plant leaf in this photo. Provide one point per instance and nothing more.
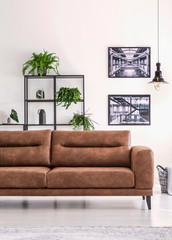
(41, 61)
(80, 120)
(14, 115)
(67, 96)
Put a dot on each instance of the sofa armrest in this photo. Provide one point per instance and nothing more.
(142, 164)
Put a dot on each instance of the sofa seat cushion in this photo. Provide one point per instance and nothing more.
(23, 177)
(90, 177)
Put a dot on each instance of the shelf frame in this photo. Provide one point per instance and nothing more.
(55, 79)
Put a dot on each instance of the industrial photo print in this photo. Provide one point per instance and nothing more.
(129, 62)
(129, 109)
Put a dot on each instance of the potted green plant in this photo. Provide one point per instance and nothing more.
(66, 96)
(80, 120)
(43, 62)
(14, 115)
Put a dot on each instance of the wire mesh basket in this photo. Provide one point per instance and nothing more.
(163, 178)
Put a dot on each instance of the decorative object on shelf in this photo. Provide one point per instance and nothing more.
(14, 115)
(42, 116)
(80, 120)
(42, 62)
(129, 109)
(129, 62)
(8, 120)
(158, 79)
(68, 96)
(40, 94)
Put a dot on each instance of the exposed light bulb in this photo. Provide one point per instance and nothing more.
(157, 86)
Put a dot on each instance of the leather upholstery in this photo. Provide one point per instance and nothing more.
(25, 148)
(77, 192)
(93, 163)
(142, 164)
(91, 149)
(23, 177)
(90, 177)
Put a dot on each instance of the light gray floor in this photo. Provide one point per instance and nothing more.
(85, 211)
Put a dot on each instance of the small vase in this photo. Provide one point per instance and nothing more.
(8, 120)
(44, 71)
(40, 94)
(42, 116)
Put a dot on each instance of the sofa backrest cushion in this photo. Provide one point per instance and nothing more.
(90, 148)
(25, 148)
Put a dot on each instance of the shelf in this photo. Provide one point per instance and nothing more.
(41, 100)
(47, 100)
(21, 124)
(56, 79)
(77, 102)
(11, 124)
(63, 124)
(39, 124)
(53, 76)
(58, 124)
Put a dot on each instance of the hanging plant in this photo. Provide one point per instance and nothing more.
(42, 62)
(80, 120)
(67, 96)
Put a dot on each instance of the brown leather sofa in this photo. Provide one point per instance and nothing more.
(74, 163)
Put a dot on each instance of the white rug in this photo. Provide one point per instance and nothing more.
(86, 233)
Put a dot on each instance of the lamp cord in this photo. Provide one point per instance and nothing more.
(158, 28)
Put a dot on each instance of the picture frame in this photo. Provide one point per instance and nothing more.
(129, 109)
(129, 62)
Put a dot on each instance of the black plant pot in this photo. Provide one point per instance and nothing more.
(44, 71)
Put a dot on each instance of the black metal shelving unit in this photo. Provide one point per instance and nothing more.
(55, 78)
(11, 124)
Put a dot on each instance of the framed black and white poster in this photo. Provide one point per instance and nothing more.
(129, 62)
(129, 109)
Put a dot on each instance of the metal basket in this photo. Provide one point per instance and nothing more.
(163, 178)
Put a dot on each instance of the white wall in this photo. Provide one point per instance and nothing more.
(80, 31)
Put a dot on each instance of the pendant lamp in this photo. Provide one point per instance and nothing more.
(158, 79)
